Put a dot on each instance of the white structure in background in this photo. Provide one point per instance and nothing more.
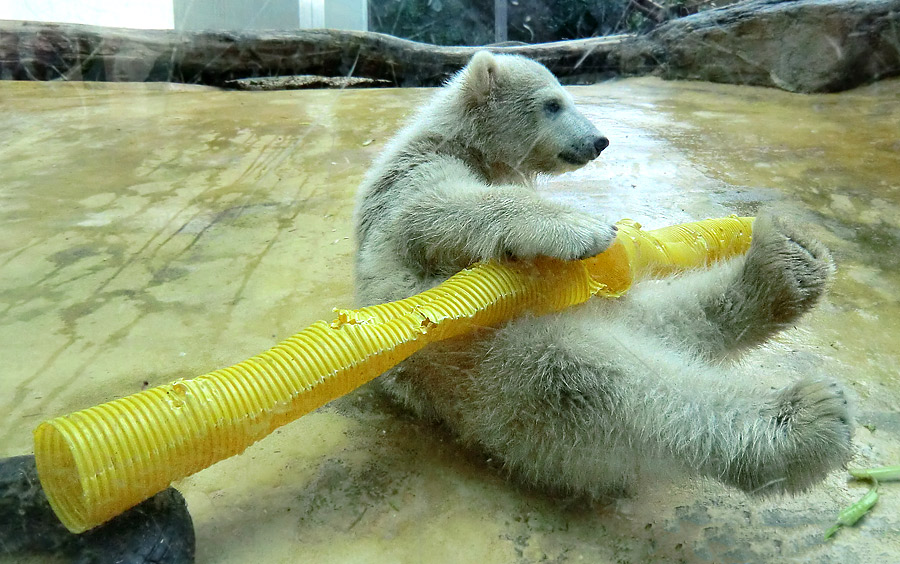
(235, 15)
(312, 14)
(232, 15)
(136, 14)
(334, 14)
(346, 14)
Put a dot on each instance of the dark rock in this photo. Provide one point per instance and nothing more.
(797, 45)
(157, 531)
(305, 81)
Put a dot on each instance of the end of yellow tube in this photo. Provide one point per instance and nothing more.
(60, 477)
(636, 253)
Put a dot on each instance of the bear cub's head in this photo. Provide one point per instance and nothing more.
(516, 113)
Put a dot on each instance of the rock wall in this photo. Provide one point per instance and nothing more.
(803, 46)
(797, 45)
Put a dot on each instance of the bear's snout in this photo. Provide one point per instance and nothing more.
(584, 152)
(593, 146)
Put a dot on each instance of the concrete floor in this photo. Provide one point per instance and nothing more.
(149, 233)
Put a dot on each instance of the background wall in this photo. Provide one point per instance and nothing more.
(198, 15)
(138, 14)
(194, 14)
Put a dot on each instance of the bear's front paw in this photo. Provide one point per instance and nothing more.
(806, 434)
(789, 269)
(592, 240)
(571, 236)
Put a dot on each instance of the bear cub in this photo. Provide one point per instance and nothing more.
(582, 401)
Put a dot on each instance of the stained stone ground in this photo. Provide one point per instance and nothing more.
(149, 233)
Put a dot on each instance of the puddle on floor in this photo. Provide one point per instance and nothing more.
(151, 232)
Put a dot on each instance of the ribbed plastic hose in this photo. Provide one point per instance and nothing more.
(96, 463)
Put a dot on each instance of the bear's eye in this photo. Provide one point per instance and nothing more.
(552, 107)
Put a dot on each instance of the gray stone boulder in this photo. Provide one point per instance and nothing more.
(797, 45)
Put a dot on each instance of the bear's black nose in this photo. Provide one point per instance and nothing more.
(600, 143)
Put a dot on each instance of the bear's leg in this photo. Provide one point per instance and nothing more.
(578, 405)
(475, 222)
(741, 303)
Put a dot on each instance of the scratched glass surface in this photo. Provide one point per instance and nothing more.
(158, 228)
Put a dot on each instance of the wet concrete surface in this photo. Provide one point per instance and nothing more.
(151, 232)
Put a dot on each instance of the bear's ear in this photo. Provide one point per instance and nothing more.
(480, 77)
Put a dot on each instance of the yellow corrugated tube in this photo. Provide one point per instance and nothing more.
(98, 462)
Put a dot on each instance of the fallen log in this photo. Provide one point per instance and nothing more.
(42, 51)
